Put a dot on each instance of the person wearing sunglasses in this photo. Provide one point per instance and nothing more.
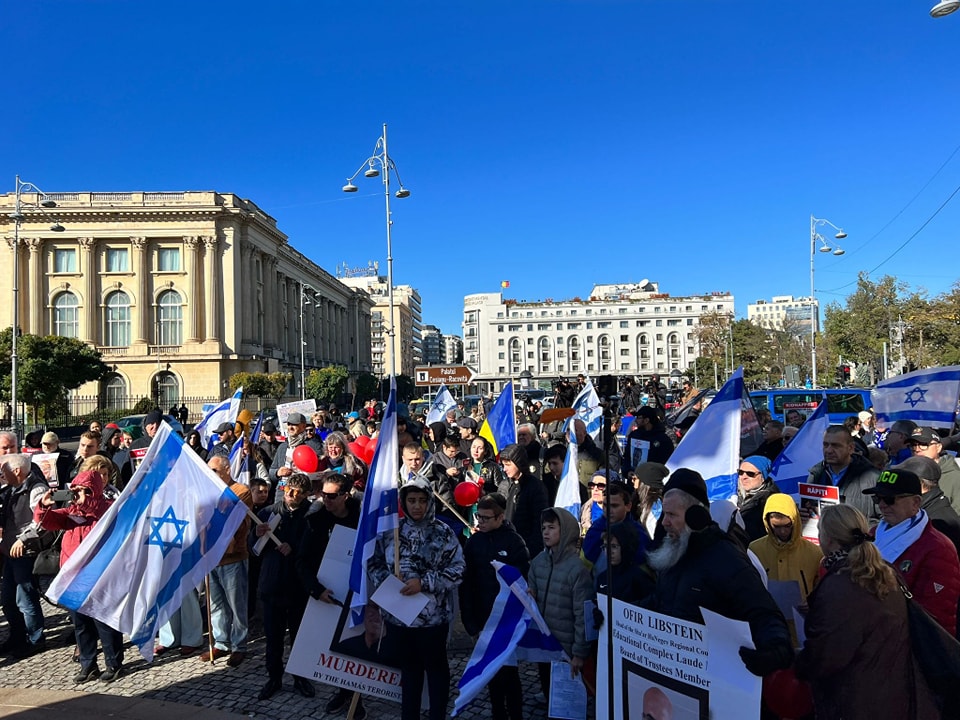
(754, 486)
(924, 557)
(77, 520)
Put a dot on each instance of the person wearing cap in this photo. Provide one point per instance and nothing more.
(50, 443)
(648, 434)
(935, 503)
(269, 442)
(925, 558)
(468, 432)
(227, 437)
(526, 497)
(754, 486)
(699, 566)
(843, 468)
(282, 465)
(926, 442)
(857, 655)
(868, 426)
(648, 480)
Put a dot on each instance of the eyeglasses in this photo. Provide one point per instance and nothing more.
(748, 473)
(888, 500)
(600, 486)
(332, 496)
(919, 446)
(486, 518)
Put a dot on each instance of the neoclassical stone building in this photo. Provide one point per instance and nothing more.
(178, 291)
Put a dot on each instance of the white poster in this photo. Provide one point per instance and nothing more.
(813, 498)
(362, 659)
(305, 407)
(661, 668)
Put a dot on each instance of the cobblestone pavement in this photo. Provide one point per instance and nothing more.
(187, 680)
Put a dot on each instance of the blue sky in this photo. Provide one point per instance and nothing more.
(552, 144)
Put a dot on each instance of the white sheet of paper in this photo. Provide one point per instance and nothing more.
(568, 696)
(786, 593)
(799, 624)
(403, 607)
(264, 539)
(725, 637)
(334, 573)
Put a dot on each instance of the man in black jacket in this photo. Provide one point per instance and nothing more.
(526, 498)
(495, 539)
(699, 566)
(850, 472)
(648, 435)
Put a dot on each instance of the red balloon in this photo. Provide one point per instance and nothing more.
(363, 440)
(366, 453)
(787, 695)
(357, 449)
(305, 459)
(466, 493)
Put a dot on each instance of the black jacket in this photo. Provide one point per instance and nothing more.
(661, 447)
(318, 527)
(279, 581)
(526, 500)
(716, 574)
(751, 509)
(859, 476)
(480, 586)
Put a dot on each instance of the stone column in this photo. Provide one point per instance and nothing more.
(35, 297)
(246, 294)
(194, 288)
(141, 267)
(88, 266)
(212, 300)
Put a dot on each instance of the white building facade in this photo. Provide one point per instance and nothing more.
(785, 312)
(625, 330)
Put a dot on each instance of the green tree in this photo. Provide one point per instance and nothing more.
(406, 388)
(261, 385)
(367, 387)
(49, 367)
(326, 385)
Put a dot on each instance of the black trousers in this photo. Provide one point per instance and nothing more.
(506, 694)
(424, 651)
(279, 616)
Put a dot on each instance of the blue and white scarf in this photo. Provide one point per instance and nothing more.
(892, 541)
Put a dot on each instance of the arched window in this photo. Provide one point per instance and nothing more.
(166, 389)
(66, 317)
(114, 391)
(544, 354)
(169, 318)
(516, 356)
(117, 320)
(573, 349)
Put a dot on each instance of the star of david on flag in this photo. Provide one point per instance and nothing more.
(927, 397)
(158, 535)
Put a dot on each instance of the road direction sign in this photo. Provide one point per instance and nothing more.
(427, 375)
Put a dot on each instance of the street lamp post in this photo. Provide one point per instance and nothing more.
(41, 204)
(824, 248)
(303, 337)
(380, 162)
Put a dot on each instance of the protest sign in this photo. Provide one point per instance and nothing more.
(362, 659)
(305, 407)
(662, 667)
(813, 498)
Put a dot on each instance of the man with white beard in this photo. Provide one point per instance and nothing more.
(698, 565)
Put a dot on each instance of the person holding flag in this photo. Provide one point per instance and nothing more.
(427, 557)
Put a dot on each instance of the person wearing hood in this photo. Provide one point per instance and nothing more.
(76, 520)
(561, 584)
(632, 582)
(754, 486)
(435, 433)
(784, 554)
(526, 497)
(430, 561)
(110, 441)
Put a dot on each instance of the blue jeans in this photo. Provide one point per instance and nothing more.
(88, 631)
(185, 626)
(228, 606)
(20, 600)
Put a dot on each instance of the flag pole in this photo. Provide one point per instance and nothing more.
(206, 586)
(354, 701)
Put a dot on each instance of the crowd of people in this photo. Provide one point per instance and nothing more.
(643, 534)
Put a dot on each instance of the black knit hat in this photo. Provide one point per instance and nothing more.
(691, 482)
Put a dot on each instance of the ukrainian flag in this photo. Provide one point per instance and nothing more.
(500, 426)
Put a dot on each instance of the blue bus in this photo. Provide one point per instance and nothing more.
(841, 402)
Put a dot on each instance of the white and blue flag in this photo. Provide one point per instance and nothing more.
(441, 404)
(928, 397)
(240, 464)
(514, 631)
(568, 492)
(379, 511)
(170, 526)
(712, 445)
(587, 408)
(226, 411)
(802, 453)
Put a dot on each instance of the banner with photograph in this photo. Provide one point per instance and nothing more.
(813, 498)
(666, 667)
(363, 659)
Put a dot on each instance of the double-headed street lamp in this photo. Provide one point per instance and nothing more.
(304, 301)
(41, 203)
(825, 247)
(381, 162)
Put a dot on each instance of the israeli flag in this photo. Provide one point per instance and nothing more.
(240, 464)
(441, 404)
(928, 397)
(515, 630)
(225, 411)
(170, 526)
(793, 464)
(587, 408)
(712, 445)
(568, 493)
(380, 502)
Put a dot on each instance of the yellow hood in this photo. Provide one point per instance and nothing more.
(785, 505)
